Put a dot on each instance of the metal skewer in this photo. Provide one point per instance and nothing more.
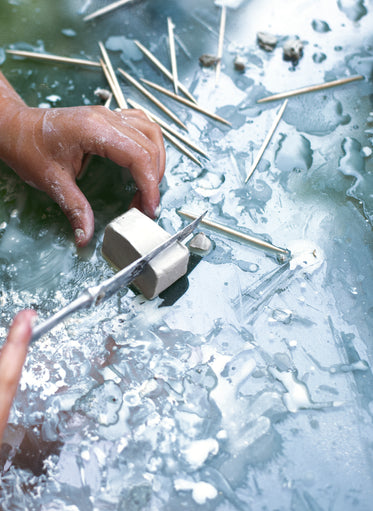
(97, 294)
(310, 88)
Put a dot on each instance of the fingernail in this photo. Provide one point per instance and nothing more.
(79, 236)
(157, 211)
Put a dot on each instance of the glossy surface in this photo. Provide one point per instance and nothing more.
(249, 384)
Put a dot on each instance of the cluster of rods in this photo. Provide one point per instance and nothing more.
(174, 136)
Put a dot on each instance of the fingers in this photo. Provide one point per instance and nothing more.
(66, 193)
(12, 358)
(138, 119)
(123, 138)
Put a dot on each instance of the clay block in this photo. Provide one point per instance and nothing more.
(133, 235)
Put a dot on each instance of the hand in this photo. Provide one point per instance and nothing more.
(45, 147)
(12, 358)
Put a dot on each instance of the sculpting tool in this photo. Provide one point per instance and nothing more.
(97, 294)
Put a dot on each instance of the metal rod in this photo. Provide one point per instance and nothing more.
(55, 58)
(163, 69)
(311, 88)
(167, 127)
(221, 42)
(185, 101)
(106, 9)
(171, 42)
(117, 91)
(97, 294)
(152, 98)
(237, 234)
(267, 139)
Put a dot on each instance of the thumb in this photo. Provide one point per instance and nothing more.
(76, 207)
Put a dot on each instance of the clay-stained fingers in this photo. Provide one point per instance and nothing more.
(139, 120)
(12, 358)
(66, 193)
(113, 137)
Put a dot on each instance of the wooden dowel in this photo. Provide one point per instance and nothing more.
(185, 101)
(238, 234)
(106, 9)
(117, 91)
(182, 148)
(54, 58)
(310, 88)
(109, 80)
(221, 42)
(152, 98)
(267, 139)
(171, 42)
(169, 128)
(163, 69)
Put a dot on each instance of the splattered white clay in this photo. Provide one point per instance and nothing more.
(200, 242)
(133, 235)
(266, 41)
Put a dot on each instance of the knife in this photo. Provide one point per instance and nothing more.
(97, 294)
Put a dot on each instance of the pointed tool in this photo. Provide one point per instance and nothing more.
(97, 294)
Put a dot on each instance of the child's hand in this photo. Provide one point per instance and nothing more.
(45, 147)
(12, 357)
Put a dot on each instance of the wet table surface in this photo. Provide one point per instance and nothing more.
(248, 384)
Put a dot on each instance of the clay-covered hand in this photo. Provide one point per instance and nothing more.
(12, 358)
(45, 147)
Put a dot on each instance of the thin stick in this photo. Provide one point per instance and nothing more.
(171, 42)
(167, 127)
(311, 88)
(221, 42)
(267, 139)
(152, 98)
(55, 58)
(185, 101)
(180, 147)
(115, 87)
(238, 234)
(166, 131)
(111, 83)
(106, 9)
(164, 70)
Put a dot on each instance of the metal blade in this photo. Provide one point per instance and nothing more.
(97, 294)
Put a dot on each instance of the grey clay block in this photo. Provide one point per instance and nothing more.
(133, 235)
